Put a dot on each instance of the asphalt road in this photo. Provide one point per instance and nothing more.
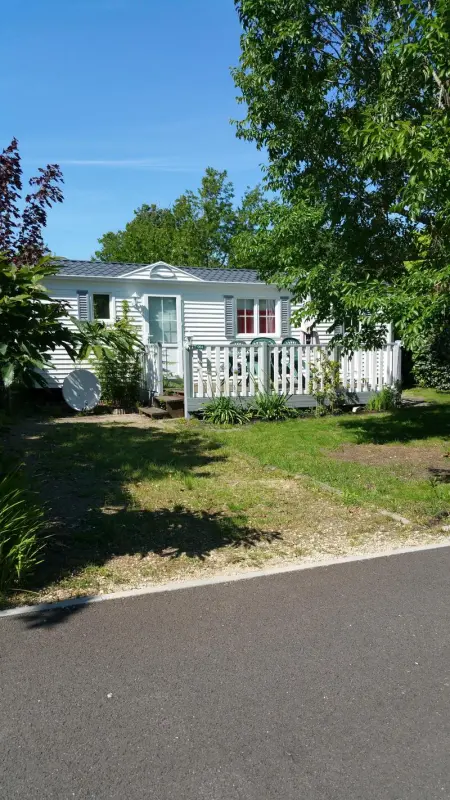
(330, 683)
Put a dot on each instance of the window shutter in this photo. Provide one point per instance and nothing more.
(285, 316)
(83, 304)
(230, 326)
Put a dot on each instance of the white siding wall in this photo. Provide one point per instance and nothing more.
(201, 307)
(66, 290)
(62, 363)
(320, 330)
(204, 310)
(134, 315)
(204, 319)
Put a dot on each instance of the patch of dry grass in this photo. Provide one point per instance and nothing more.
(396, 460)
(131, 503)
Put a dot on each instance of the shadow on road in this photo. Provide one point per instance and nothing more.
(49, 617)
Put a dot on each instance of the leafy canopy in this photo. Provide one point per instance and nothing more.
(32, 324)
(199, 229)
(21, 229)
(351, 100)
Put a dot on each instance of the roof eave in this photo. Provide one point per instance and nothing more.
(156, 280)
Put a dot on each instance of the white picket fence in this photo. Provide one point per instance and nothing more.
(153, 368)
(242, 371)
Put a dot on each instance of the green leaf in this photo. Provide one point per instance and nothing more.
(7, 373)
(351, 104)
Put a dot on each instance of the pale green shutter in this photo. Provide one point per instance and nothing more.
(285, 316)
(83, 304)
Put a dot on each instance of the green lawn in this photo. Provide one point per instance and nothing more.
(406, 469)
(129, 501)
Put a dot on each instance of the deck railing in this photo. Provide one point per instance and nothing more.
(153, 368)
(243, 370)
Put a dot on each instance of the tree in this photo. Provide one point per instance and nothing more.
(21, 239)
(32, 324)
(351, 100)
(214, 215)
(147, 237)
(197, 230)
(247, 222)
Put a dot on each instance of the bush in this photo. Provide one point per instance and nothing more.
(271, 406)
(431, 361)
(325, 385)
(386, 400)
(20, 523)
(120, 371)
(225, 411)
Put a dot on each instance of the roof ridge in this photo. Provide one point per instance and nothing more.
(137, 264)
(121, 269)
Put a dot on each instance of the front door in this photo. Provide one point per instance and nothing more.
(164, 327)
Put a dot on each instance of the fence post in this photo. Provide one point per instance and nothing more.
(397, 365)
(188, 379)
(263, 367)
(145, 375)
(268, 370)
(153, 369)
(159, 369)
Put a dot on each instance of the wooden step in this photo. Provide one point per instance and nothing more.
(174, 404)
(153, 412)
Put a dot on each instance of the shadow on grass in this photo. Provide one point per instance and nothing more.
(167, 532)
(403, 425)
(80, 466)
(439, 475)
(82, 472)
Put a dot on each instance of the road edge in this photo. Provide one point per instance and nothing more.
(173, 586)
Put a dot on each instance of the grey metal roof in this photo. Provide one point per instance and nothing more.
(94, 269)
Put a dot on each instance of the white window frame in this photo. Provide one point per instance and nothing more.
(112, 306)
(256, 300)
(179, 345)
(177, 311)
(255, 321)
(277, 331)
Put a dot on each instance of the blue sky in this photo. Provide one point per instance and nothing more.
(131, 97)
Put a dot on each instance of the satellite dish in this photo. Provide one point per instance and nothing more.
(81, 390)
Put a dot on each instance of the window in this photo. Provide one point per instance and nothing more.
(245, 316)
(256, 316)
(162, 314)
(101, 306)
(267, 316)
